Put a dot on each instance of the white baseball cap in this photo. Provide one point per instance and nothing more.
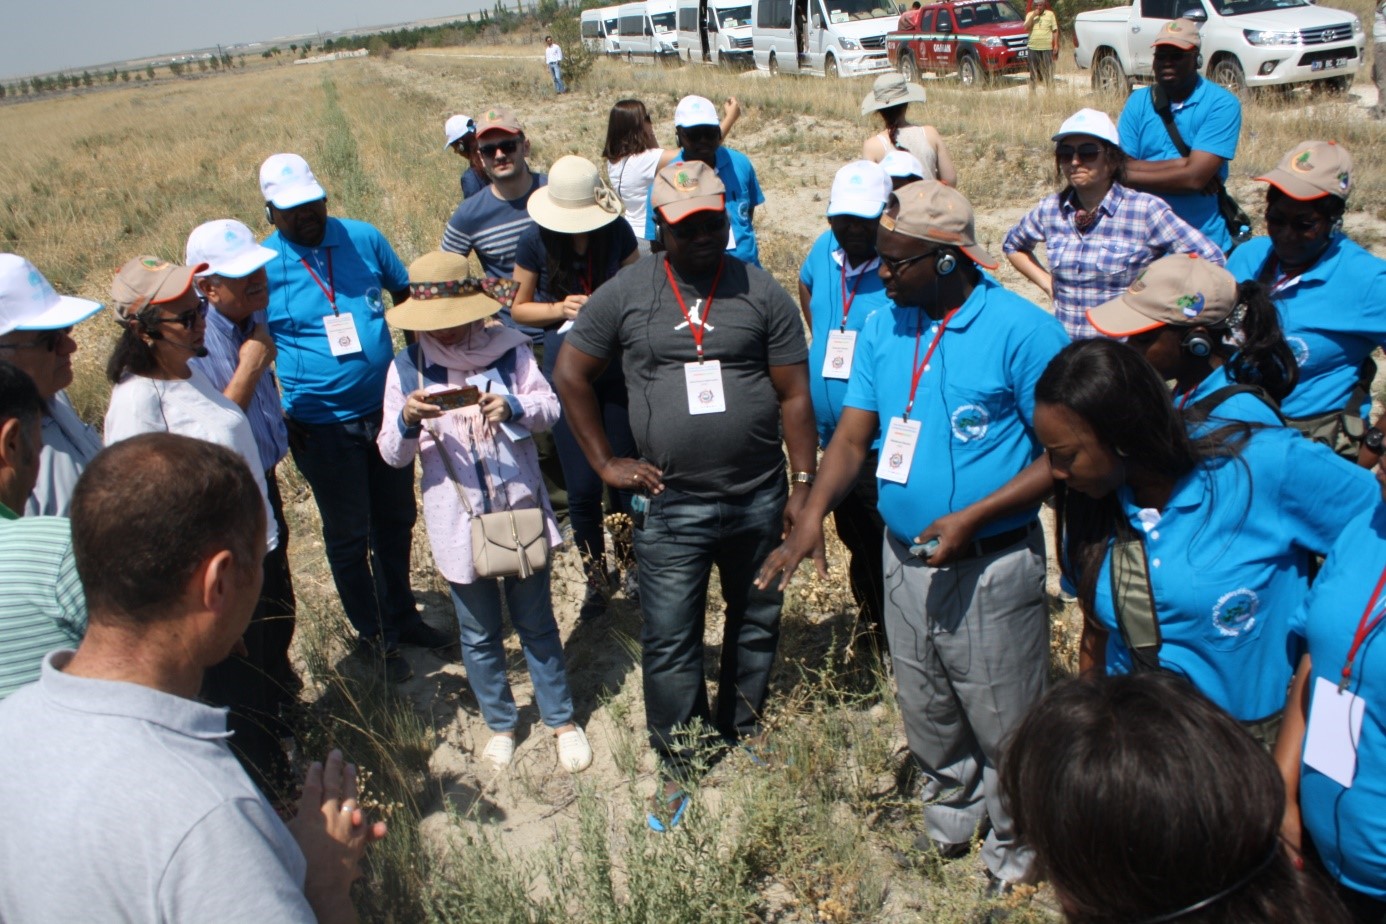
(28, 302)
(900, 164)
(228, 248)
(861, 188)
(457, 127)
(1089, 122)
(693, 111)
(287, 181)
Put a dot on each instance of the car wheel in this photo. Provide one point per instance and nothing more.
(830, 68)
(774, 66)
(1109, 77)
(969, 71)
(909, 69)
(1228, 74)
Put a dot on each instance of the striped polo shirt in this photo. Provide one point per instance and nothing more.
(42, 606)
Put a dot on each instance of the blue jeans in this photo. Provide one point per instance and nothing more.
(684, 536)
(368, 514)
(585, 487)
(483, 651)
(557, 72)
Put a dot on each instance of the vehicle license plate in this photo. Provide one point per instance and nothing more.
(1022, 54)
(1329, 64)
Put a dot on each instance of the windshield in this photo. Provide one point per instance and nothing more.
(663, 22)
(853, 10)
(983, 13)
(733, 17)
(1242, 7)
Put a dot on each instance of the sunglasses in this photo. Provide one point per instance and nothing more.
(508, 146)
(1087, 153)
(702, 134)
(188, 319)
(687, 231)
(1298, 225)
(47, 340)
(896, 267)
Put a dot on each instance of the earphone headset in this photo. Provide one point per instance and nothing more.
(269, 215)
(945, 262)
(1198, 343)
(1199, 63)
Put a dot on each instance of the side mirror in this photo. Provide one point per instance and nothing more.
(817, 21)
(648, 30)
(1197, 14)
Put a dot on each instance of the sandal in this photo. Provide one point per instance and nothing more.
(672, 806)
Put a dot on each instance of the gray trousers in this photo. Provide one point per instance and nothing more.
(970, 645)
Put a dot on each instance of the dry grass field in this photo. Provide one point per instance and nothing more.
(90, 180)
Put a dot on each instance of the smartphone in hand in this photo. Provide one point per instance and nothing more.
(455, 398)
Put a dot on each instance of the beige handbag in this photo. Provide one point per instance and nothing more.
(506, 543)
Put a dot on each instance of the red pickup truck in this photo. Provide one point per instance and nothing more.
(976, 39)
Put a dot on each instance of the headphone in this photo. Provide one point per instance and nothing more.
(269, 215)
(1197, 343)
(945, 262)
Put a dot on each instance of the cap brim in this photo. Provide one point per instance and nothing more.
(497, 128)
(701, 123)
(857, 208)
(441, 313)
(547, 214)
(293, 198)
(176, 284)
(979, 256)
(1118, 319)
(1292, 186)
(914, 93)
(242, 264)
(1062, 135)
(67, 312)
(1181, 44)
(676, 212)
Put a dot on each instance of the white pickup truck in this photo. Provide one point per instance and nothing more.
(1246, 43)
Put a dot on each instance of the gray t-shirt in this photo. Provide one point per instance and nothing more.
(122, 803)
(753, 324)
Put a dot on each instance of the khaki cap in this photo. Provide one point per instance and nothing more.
(442, 294)
(146, 281)
(1179, 33)
(1312, 170)
(684, 188)
(498, 119)
(931, 211)
(1181, 290)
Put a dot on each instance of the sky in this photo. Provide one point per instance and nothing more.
(51, 35)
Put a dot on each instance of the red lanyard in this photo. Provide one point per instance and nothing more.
(1364, 629)
(920, 367)
(695, 327)
(1187, 395)
(848, 299)
(586, 278)
(330, 290)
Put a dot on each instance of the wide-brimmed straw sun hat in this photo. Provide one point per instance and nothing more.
(576, 198)
(891, 90)
(442, 294)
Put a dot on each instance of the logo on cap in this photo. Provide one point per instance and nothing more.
(287, 171)
(492, 116)
(683, 182)
(1343, 181)
(1301, 163)
(153, 263)
(1138, 284)
(1191, 305)
(231, 236)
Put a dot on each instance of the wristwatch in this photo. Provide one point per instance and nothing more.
(801, 478)
(1373, 439)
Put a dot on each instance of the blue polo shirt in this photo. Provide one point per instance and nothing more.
(1348, 826)
(1333, 316)
(743, 194)
(318, 387)
(825, 273)
(1228, 559)
(1242, 407)
(1209, 120)
(975, 404)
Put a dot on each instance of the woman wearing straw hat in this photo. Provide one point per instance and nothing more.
(578, 241)
(479, 457)
(890, 96)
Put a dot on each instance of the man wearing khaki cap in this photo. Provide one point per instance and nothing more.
(715, 362)
(1188, 170)
(946, 378)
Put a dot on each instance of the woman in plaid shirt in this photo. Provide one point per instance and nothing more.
(1097, 234)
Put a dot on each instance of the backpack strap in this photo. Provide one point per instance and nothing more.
(1203, 408)
(1134, 599)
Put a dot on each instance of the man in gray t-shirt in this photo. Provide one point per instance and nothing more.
(715, 363)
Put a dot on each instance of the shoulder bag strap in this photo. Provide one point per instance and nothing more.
(1160, 102)
(1134, 599)
(1203, 408)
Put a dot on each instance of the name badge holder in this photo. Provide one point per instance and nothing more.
(342, 338)
(842, 343)
(702, 379)
(902, 435)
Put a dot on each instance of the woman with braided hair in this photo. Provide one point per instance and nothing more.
(890, 97)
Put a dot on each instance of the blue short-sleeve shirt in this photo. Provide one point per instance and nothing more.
(1209, 120)
(1348, 826)
(317, 386)
(1228, 559)
(1333, 316)
(975, 403)
(826, 274)
(743, 194)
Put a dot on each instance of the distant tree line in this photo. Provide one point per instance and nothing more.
(56, 83)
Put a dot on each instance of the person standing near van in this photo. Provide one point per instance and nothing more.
(553, 57)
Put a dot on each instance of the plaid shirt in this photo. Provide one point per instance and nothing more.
(1132, 229)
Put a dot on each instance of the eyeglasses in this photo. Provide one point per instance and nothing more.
(508, 146)
(1087, 153)
(687, 231)
(47, 340)
(897, 267)
(1298, 225)
(702, 134)
(187, 319)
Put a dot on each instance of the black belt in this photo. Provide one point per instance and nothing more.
(993, 544)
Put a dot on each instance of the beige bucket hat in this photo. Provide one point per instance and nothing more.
(576, 198)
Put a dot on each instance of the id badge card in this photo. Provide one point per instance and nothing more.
(897, 450)
(837, 362)
(342, 338)
(704, 382)
(1335, 727)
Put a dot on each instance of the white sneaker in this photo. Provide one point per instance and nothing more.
(500, 750)
(574, 753)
